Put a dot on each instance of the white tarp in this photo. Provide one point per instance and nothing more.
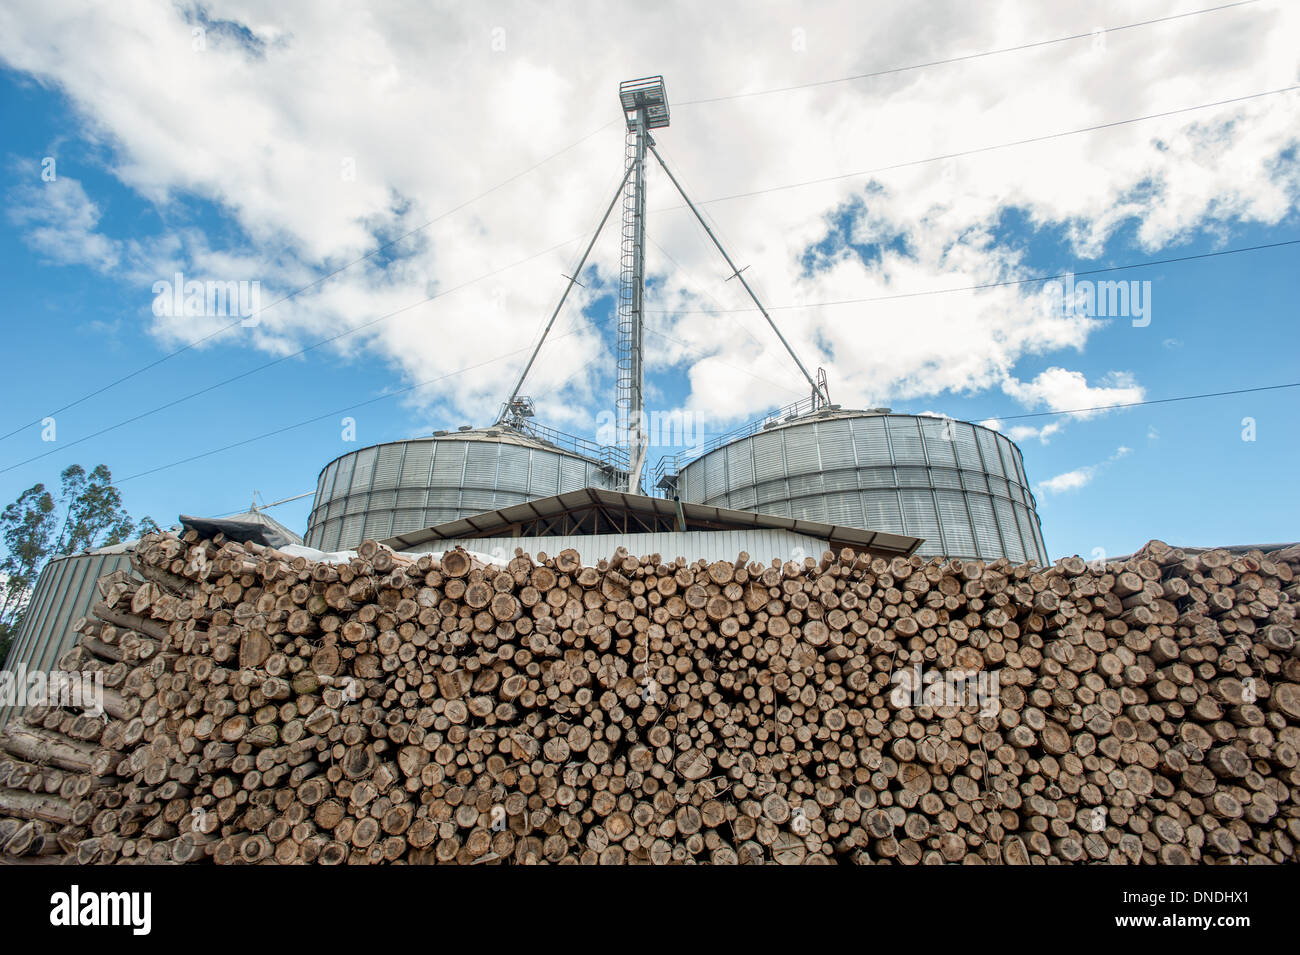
(343, 556)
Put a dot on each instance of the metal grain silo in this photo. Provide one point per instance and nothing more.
(64, 591)
(402, 486)
(960, 486)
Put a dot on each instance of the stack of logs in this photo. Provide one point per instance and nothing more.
(261, 707)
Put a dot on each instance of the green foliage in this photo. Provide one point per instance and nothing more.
(88, 513)
(6, 641)
(94, 513)
(26, 527)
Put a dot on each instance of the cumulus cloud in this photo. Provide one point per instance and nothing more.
(59, 220)
(1060, 390)
(1080, 477)
(1025, 432)
(1069, 481)
(320, 132)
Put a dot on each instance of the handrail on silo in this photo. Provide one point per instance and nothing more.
(670, 464)
(609, 456)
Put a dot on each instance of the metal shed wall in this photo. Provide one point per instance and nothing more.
(64, 591)
(761, 545)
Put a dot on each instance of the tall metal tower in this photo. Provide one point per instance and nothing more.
(645, 104)
(645, 107)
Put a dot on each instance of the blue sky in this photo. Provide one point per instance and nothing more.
(230, 171)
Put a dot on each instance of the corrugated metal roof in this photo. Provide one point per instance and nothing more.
(498, 522)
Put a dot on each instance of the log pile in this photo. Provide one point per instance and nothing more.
(265, 708)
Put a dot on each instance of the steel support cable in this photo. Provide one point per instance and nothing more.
(283, 358)
(736, 273)
(563, 297)
(1008, 283)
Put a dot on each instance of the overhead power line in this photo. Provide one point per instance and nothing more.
(985, 149)
(703, 356)
(276, 361)
(263, 507)
(963, 58)
(310, 285)
(387, 245)
(721, 309)
(381, 318)
(988, 285)
(329, 414)
(999, 418)
(1139, 404)
(461, 371)
(892, 70)
(560, 245)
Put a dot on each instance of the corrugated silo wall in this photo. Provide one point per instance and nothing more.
(389, 489)
(960, 486)
(64, 591)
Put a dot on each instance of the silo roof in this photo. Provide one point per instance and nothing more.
(499, 434)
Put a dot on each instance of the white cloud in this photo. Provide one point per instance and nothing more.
(59, 220)
(1062, 390)
(435, 105)
(1080, 477)
(1024, 432)
(1069, 481)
